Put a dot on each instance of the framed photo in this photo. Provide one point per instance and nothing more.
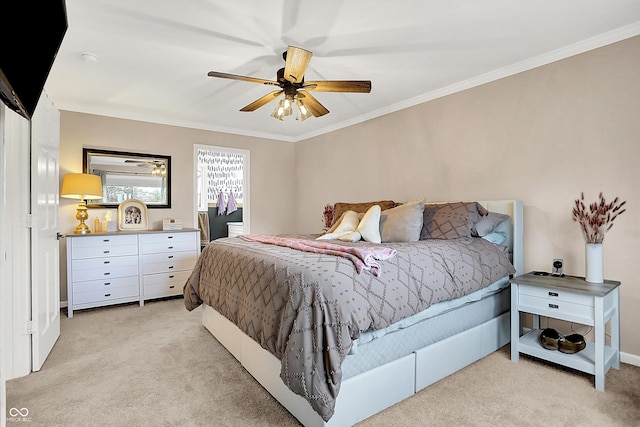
(132, 215)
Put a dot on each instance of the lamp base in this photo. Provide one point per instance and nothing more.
(82, 228)
(82, 215)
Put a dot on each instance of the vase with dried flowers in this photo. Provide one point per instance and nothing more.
(327, 216)
(595, 221)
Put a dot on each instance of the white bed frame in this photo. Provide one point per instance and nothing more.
(370, 392)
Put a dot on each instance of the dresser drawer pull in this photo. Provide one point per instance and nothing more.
(170, 247)
(105, 240)
(171, 266)
(107, 273)
(553, 305)
(553, 294)
(170, 256)
(105, 252)
(172, 286)
(106, 262)
(107, 283)
(107, 295)
(169, 237)
(171, 276)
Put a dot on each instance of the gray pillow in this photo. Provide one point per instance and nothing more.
(487, 224)
(402, 223)
(450, 220)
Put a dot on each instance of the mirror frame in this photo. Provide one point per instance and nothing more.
(88, 152)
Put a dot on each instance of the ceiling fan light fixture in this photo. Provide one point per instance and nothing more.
(303, 111)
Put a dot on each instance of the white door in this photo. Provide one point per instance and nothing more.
(45, 251)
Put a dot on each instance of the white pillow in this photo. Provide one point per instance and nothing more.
(347, 224)
(369, 226)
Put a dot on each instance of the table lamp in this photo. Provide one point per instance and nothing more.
(81, 186)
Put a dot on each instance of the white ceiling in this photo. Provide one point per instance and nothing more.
(153, 56)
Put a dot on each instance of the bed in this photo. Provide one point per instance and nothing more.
(334, 345)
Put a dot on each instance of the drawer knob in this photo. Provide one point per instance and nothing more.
(171, 266)
(105, 240)
(107, 283)
(107, 262)
(553, 305)
(107, 273)
(107, 295)
(171, 276)
(170, 247)
(170, 256)
(553, 294)
(105, 252)
(169, 237)
(171, 287)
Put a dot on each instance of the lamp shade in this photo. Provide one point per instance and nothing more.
(81, 186)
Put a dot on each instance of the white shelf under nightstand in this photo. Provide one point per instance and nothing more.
(571, 299)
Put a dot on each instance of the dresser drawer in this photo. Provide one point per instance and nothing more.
(168, 242)
(98, 246)
(104, 296)
(100, 268)
(105, 284)
(165, 263)
(556, 295)
(164, 284)
(103, 251)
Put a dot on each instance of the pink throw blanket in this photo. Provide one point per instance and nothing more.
(363, 257)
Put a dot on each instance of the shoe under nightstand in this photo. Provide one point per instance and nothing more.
(571, 299)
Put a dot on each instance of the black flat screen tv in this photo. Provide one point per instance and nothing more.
(30, 36)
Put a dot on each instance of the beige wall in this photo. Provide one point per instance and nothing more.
(271, 173)
(542, 136)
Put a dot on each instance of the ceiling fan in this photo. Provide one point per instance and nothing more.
(296, 90)
(159, 167)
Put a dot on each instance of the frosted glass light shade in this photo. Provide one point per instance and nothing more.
(81, 186)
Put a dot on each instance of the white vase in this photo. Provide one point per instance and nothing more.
(594, 262)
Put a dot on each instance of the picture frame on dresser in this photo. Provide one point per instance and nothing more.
(132, 215)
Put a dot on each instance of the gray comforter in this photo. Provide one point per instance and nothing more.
(307, 308)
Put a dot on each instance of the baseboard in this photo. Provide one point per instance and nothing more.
(631, 359)
(63, 304)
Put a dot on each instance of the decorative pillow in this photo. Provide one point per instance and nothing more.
(450, 220)
(369, 226)
(351, 228)
(347, 223)
(487, 224)
(496, 237)
(402, 223)
(341, 207)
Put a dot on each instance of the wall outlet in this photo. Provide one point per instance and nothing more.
(556, 267)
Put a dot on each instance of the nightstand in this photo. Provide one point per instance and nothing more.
(571, 299)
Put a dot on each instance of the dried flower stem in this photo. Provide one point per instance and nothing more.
(598, 219)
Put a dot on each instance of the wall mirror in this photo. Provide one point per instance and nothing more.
(146, 177)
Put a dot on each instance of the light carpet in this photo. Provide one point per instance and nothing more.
(158, 366)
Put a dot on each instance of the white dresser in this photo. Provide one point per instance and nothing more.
(166, 261)
(114, 268)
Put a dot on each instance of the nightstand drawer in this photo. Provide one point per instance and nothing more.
(553, 294)
(556, 308)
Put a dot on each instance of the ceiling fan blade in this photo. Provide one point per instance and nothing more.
(262, 101)
(296, 64)
(242, 78)
(313, 104)
(360, 86)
